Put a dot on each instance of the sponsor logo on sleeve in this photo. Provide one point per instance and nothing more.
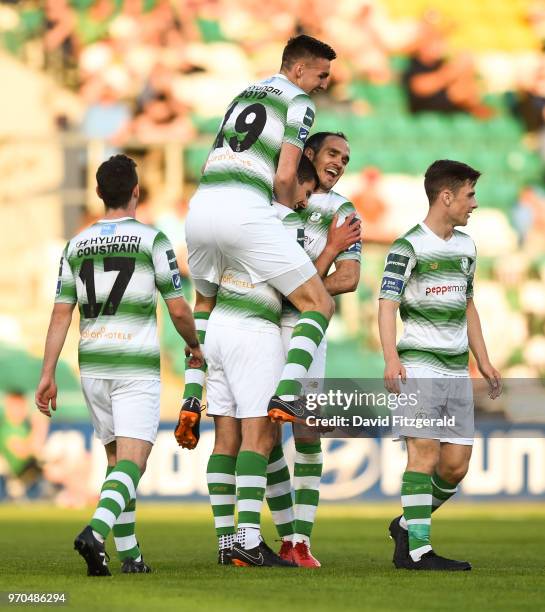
(108, 229)
(396, 263)
(176, 281)
(59, 287)
(392, 285)
(172, 263)
(308, 119)
(464, 264)
(303, 133)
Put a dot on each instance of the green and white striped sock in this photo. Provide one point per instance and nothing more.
(278, 493)
(124, 530)
(416, 494)
(306, 337)
(251, 479)
(220, 475)
(441, 492)
(194, 377)
(117, 491)
(306, 482)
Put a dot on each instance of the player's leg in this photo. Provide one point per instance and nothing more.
(126, 544)
(187, 429)
(279, 497)
(450, 471)
(258, 437)
(316, 307)
(306, 483)
(220, 475)
(308, 469)
(130, 411)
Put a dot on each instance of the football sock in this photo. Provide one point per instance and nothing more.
(117, 491)
(251, 479)
(306, 337)
(220, 475)
(226, 541)
(124, 530)
(278, 493)
(306, 482)
(194, 377)
(416, 493)
(441, 492)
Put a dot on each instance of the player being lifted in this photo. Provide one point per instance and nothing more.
(326, 209)
(429, 276)
(230, 220)
(113, 271)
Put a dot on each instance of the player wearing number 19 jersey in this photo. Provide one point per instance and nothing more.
(114, 270)
(231, 223)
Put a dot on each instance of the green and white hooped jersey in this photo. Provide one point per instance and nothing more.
(316, 219)
(258, 121)
(113, 271)
(241, 303)
(432, 279)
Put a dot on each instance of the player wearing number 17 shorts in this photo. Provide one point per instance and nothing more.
(113, 271)
(231, 222)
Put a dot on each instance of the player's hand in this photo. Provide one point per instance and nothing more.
(196, 357)
(393, 371)
(493, 378)
(46, 393)
(344, 236)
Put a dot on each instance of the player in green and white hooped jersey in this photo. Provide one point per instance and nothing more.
(323, 220)
(245, 358)
(429, 277)
(113, 271)
(256, 153)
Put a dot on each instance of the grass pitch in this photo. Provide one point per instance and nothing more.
(504, 544)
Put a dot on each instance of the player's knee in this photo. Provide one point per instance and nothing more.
(226, 447)
(453, 473)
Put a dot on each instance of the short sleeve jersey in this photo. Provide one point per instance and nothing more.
(258, 121)
(432, 279)
(114, 270)
(316, 219)
(247, 305)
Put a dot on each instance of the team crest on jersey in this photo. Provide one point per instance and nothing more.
(315, 217)
(108, 229)
(464, 264)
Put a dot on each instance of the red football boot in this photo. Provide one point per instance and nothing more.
(303, 557)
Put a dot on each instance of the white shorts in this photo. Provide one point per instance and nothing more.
(316, 372)
(244, 367)
(123, 407)
(230, 228)
(439, 396)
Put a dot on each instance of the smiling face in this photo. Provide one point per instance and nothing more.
(330, 161)
(461, 204)
(312, 74)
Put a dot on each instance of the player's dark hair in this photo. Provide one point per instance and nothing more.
(448, 174)
(316, 141)
(304, 46)
(116, 180)
(306, 171)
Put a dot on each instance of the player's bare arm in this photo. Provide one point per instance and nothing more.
(338, 240)
(478, 348)
(345, 279)
(46, 393)
(286, 173)
(393, 369)
(182, 318)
